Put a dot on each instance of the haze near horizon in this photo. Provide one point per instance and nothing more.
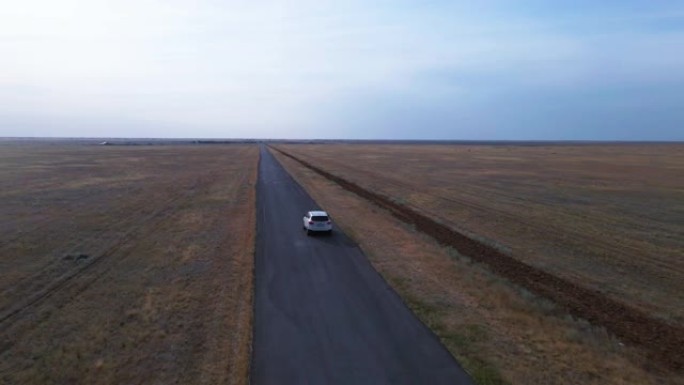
(496, 70)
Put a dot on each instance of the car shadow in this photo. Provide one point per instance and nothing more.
(334, 238)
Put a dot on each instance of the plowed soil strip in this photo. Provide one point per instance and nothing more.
(662, 342)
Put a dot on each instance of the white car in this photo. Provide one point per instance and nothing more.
(317, 221)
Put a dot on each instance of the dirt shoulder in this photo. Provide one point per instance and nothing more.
(605, 216)
(500, 332)
(128, 265)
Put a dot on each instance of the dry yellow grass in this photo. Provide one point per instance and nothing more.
(500, 333)
(165, 293)
(608, 217)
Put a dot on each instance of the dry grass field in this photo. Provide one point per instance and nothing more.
(126, 264)
(610, 217)
(502, 333)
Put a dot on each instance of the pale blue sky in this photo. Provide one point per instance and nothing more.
(580, 70)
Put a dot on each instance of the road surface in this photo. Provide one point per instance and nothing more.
(323, 315)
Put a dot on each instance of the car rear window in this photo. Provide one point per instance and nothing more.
(319, 218)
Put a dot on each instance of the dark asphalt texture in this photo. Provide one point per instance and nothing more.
(323, 315)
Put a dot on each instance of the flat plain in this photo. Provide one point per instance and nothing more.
(609, 217)
(500, 331)
(126, 264)
(134, 264)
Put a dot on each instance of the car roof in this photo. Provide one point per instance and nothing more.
(318, 213)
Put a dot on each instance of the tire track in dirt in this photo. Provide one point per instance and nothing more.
(102, 240)
(108, 236)
(73, 273)
(57, 266)
(67, 282)
(663, 343)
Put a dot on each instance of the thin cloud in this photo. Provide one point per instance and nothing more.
(286, 69)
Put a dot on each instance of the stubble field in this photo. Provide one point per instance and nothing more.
(499, 330)
(133, 264)
(610, 217)
(126, 264)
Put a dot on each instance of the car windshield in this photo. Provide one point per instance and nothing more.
(319, 218)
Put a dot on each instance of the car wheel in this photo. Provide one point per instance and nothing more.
(308, 232)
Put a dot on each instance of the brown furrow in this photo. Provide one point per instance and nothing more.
(662, 342)
(548, 229)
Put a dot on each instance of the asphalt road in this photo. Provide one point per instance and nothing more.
(323, 315)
